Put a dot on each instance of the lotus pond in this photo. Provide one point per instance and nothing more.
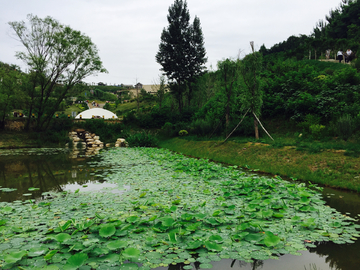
(145, 208)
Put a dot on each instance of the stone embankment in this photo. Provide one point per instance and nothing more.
(83, 139)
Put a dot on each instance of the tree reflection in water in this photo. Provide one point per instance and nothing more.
(46, 172)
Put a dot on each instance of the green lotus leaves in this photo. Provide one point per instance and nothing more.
(194, 245)
(213, 246)
(178, 210)
(107, 231)
(131, 253)
(271, 240)
(216, 238)
(62, 237)
(129, 266)
(167, 221)
(132, 219)
(50, 254)
(7, 209)
(114, 245)
(15, 256)
(75, 261)
(254, 237)
(38, 251)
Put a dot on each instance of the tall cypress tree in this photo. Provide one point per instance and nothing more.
(181, 51)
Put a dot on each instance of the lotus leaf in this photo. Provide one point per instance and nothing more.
(194, 245)
(75, 261)
(271, 240)
(132, 219)
(129, 266)
(62, 237)
(131, 253)
(206, 266)
(107, 231)
(167, 221)
(15, 256)
(213, 246)
(37, 251)
(116, 244)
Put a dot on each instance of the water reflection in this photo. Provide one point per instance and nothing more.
(51, 172)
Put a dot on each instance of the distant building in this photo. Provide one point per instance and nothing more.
(128, 86)
(138, 86)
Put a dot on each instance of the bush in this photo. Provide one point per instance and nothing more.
(142, 139)
(344, 127)
(316, 131)
(168, 129)
(108, 132)
(202, 127)
(183, 132)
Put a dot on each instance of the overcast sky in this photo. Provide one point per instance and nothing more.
(127, 32)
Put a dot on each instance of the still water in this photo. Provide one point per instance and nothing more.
(61, 170)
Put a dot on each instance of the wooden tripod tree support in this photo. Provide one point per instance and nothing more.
(241, 122)
(237, 126)
(262, 126)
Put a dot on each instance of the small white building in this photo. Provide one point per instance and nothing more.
(96, 113)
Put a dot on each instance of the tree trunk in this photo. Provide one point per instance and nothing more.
(256, 127)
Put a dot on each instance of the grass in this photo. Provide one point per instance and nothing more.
(328, 167)
(133, 106)
(9, 139)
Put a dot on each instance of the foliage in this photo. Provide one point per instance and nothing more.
(142, 139)
(228, 71)
(10, 94)
(158, 222)
(183, 132)
(107, 131)
(344, 127)
(251, 92)
(295, 89)
(160, 89)
(58, 58)
(181, 50)
(316, 130)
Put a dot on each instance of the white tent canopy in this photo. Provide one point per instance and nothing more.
(96, 113)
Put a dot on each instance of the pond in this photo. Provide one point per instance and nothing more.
(40, 175)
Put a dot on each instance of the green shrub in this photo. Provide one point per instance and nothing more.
(310, 120)
(202, 127)
(317, 131)
(142, 139)
(168, 129)
(344, 127)
(108, 132)
(183, 132)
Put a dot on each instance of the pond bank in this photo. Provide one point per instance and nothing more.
(329, 168)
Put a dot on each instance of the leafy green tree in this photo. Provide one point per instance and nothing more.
(57, 58)
(251, 92)
(160, 88)
(181, 51)
(10, 94)
(229, 72)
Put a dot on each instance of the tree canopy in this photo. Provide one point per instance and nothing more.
(57, 58)
(181, 51)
